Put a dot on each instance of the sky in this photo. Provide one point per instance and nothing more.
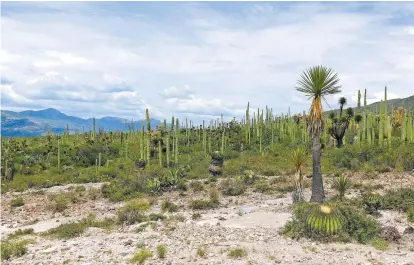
(198, 59)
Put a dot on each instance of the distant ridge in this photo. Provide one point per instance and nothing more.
(407, 103)
(38, 122)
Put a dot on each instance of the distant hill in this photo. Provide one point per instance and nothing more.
(37, 123)
(407, 103)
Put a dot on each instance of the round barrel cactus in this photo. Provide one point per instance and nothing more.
(324, 219)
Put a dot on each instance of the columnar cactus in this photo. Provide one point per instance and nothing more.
(148, 136)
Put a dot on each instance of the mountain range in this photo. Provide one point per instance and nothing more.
(37, 123)
(407, 103)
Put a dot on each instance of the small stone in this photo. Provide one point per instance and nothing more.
(409, 230)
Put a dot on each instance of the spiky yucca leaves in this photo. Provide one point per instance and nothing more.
(299, 157)
(154, 186)
(341, 184)
(318, 82)
(342, 102)
(324, 219)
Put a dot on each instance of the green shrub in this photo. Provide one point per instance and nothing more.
(263, 186)
(400, 199)
(75, 229)
(358, 225)
(161, 251)
(406, 156)
(94, 193)
(201, 252)
(214, 195)
(168, 206)
(156, 217)
(132, 212)
(125, 188)
(80, 188)
(21, 232)
(237, 253)
(13, 248)
(379, 243)
(372, 203)
(196, 186)
(232, 187)
(382, 169)
(17, 202)
(60, 202)
(202, 204)
(141, 256)
(410, 214)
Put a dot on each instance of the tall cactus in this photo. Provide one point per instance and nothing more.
(247, 127)
(168, 149)
(99, 159)
(160, 153)
(177, 133)
(148, 137)
(93, 125)
(58, 155)
(141, 142)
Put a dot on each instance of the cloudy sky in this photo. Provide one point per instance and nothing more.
(198, 60)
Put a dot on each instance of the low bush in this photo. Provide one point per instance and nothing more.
(168, 206)
(214, 194)
(21, 232)
(196, 186)
(75, 229)
(17, 202)
(202, 204)
(232, 187)
(141, 256)
(132, 212)
(410, 214)
(161, 251)
(400, 199)
(11, 248)
(201, 252)
(263, 186)
(237, 253)
(379, 243)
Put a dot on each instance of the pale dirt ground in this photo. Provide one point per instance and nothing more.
(250, 221)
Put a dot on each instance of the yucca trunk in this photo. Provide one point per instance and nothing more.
(318, 193)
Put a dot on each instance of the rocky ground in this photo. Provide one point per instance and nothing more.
(250, 221)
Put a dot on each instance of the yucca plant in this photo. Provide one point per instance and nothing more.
(299, 158)
(173, 177)
(341, 184)
(316, 83)
(154, 186)
(324, 219)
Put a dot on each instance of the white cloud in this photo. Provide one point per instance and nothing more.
(198, 59)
